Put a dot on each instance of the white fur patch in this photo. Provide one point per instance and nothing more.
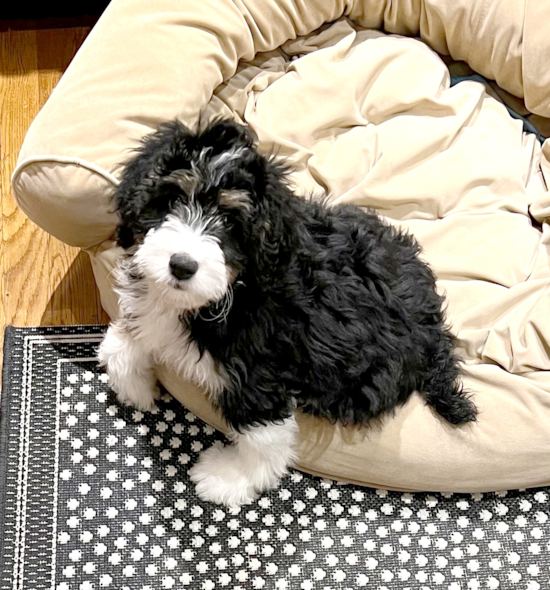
(184, 232)
(257, 459)
(155, 326)
(129, 367)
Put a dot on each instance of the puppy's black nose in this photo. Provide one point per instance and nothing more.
(183, 266)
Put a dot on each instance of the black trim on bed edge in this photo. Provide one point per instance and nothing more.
(9, 337)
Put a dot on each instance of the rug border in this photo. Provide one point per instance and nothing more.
(5, 399)
(12, 335)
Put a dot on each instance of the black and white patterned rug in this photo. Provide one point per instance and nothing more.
(94, 495)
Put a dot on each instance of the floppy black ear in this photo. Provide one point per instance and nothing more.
(161, 152)
(224, 135)
(231, 160)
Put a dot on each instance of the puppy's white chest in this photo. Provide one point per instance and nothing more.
(160, 330)
(162, 333)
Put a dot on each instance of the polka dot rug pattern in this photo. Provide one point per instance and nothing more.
(96, 495)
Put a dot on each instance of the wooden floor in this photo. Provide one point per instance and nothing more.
(42, 281)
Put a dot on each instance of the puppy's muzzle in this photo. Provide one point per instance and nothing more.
(182, 266)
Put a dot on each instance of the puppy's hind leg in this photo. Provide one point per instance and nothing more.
(128, 365)
(257, 459)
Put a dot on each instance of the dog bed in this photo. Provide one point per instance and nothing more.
(372, 118)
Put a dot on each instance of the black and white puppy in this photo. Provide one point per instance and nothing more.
(269, 301)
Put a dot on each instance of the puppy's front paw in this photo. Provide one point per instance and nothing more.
(220, 477)
(140, 394)
(130, 374)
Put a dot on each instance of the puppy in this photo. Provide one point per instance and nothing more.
(269, 302)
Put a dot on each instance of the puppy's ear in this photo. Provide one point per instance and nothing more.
(224, 135)
(232, 163)
(161, 152)
(229, 148)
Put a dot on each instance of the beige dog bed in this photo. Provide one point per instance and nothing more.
(371, 118)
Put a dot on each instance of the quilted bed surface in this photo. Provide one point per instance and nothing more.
(370, 118)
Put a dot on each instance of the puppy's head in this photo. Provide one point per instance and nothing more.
(184, 204)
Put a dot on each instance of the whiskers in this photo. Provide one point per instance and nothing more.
(222, 307)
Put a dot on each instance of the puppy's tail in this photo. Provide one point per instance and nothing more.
(443, 390)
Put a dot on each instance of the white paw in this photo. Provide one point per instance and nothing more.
(220, 477)
(141, 394)
(130, 374)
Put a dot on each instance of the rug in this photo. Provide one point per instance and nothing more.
(95, 495)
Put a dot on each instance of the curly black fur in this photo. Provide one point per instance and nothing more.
(332, 309)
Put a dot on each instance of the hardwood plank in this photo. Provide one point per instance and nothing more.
(74, 298)
(42, 280)
(55, 50)
(21, 241)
